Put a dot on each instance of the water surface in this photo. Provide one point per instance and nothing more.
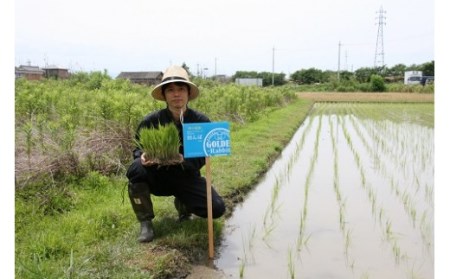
(350, 197)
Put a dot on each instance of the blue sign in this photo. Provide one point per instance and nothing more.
(206, 139)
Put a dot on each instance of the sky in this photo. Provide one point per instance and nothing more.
(221, 36)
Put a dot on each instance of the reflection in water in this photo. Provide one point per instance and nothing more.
(350, 197)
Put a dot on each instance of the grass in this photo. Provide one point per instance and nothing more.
(252, 153)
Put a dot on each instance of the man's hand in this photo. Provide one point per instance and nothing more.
(181, 158)
(147, 162)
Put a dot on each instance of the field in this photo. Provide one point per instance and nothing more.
(73, 144)
(368, 97)
(352, 196)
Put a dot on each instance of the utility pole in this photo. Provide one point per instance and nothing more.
(379, 47)
(45, 60)
(339, 61)
(215, 67)
(273, 66)
(346, 61)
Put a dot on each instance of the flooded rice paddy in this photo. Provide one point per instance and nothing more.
(351, 196)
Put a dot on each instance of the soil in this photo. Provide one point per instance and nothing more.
(205, 272)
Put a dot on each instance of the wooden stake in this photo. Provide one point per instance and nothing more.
(209, 206)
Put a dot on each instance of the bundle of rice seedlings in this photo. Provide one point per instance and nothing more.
(161, 145)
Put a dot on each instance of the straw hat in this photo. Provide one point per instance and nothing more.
(175, 74)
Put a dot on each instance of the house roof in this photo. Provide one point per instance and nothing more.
(140, 75)
(29, 69)
(53, 67)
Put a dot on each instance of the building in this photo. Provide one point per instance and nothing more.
(56, 72)
(250, 81)
(145, 78)
(29, 72)
(222, 78)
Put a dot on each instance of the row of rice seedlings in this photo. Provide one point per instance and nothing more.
(379, 139)
(298, 147)
(242, 269)
(269, 222)
(387, 226)
(396, 250)
(374, 151)
(341, 202)
(406, 199)
(389, 235)
(408, 202)
(337, 191)
(364, 183)
(398, 143)
(374, 133)
(291, 263)
(388, 230)
(403, 196)
(247, 248)
(409, 209)
(373, 200)
(401, 146)
(426, 229)
(302, 238)
(275, 195)
(429, 194)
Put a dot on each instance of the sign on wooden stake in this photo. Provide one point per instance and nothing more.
(206, 140)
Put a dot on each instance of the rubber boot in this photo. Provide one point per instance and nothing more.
(183, 213)
(143, 208)
(147, 233)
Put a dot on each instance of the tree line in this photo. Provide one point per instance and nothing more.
(317, 76)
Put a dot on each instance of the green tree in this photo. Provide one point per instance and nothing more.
(245, 74)
(377, 83)
(278, 78)
(428, 68)
(345, 75)
(413, 67)
(363, 74)
(329, 76)
(184, 66)
(308, 76)
(396, 70)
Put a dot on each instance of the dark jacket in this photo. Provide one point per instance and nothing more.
(163, 117)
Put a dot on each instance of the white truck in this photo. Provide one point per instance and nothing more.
(413, 77)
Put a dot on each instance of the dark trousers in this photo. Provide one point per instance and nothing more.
(188, 186)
